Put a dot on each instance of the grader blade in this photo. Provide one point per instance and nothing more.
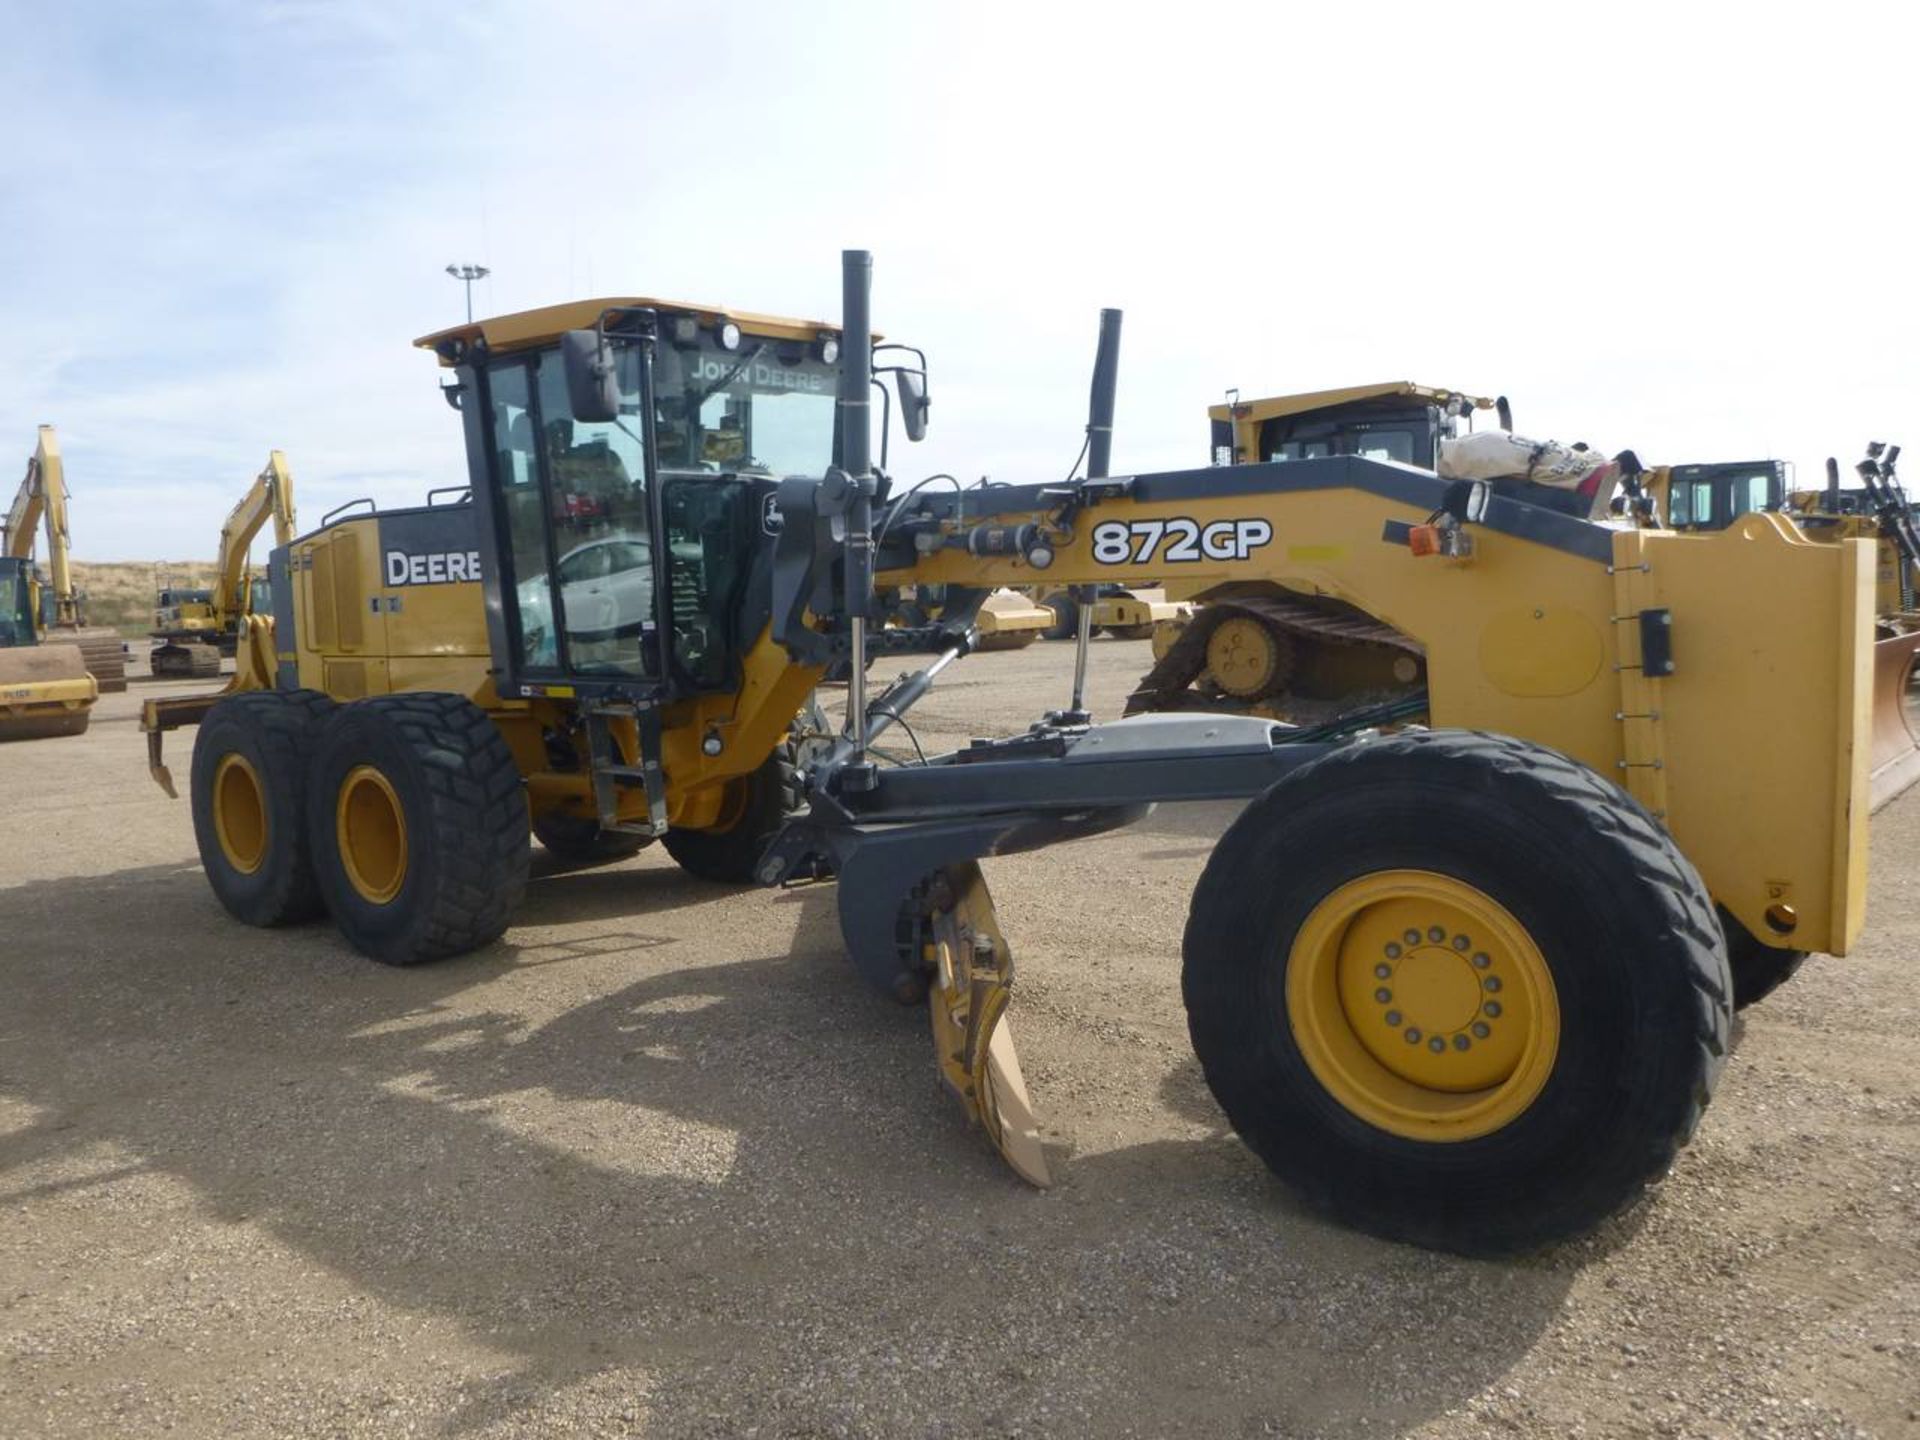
(973, 980)
(1896, 749)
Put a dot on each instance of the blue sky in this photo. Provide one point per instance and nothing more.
(1682, 232)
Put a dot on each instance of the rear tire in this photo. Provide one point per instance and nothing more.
(248, 795)
(1616, 1009)
(1758, 970)
(418, 825)
(576, 840)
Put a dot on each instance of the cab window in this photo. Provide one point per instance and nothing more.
(1384, 445)
(577, 520)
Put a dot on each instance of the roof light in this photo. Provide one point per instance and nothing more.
(827, 348)
(728, 334)
(686, 329)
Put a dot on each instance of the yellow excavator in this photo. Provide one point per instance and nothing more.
(1468, 986)
(195, 626)
(42, 500)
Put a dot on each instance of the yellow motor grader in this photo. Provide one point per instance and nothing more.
(1468, 986)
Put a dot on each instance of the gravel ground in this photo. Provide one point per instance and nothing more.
(658, 1164)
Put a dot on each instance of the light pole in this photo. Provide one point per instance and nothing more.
(467, 274)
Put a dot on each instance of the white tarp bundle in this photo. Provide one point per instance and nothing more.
(1497, 455)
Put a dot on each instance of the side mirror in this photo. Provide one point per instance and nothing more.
(592, 387)
(913, 402)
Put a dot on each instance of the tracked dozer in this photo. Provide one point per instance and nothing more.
(1254, 647)
(45, 689)
(42, 499)
(1469, 986)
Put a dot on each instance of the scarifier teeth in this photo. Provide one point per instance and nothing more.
(973, 979)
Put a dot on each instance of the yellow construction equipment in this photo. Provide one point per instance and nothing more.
(196, 626)
(45, 689)
(1261, 648)
(1122, 611)
(42, 498)
(1006, 619)
(1258, 647)
(1468, 986)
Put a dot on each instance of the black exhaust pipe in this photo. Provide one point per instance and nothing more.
(856, 361)
(1106, 380)
(856, 461)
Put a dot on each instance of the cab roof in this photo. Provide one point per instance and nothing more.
(533, 327)
(1283, 405)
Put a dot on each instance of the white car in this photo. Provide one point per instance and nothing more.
(606, 587)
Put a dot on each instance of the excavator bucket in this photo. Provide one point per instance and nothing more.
(973, 980)
(1896, 748)
(45, 690)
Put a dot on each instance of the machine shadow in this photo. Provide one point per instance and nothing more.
(678, 1178)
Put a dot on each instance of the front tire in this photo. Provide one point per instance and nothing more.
(248, 793)
(418, 826)
(755, 808)
(1456, 989)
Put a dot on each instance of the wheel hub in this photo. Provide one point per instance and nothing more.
(1246, 659)
(371, 829)
(1422, 1005)
(239, 813)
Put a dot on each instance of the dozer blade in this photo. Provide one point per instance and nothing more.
(1896, 749)
(45, 690)
(972, 982)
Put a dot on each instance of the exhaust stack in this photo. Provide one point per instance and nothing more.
(855, 399)
(1106, 380)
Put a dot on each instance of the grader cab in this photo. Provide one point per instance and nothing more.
(1469, 986)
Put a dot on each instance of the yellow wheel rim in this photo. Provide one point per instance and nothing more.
(1243, 657)
(1422, 1005)
(372, 832)
(240, 813)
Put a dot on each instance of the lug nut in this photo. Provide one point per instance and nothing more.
(1413, 1035)
(1481, 1029)
(1393, 1018)
(1492, 1007)
(1412, 937)
(1383, 995)
(1460, 942)
(1383, 972)
(1492, 982)
(1460, 1042)
(1436, 934)
(1437, 1045)
(1393, 950)
(1482, 960)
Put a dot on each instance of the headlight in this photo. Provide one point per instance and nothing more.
(728, 335)
(828, 349)
(686, 329)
